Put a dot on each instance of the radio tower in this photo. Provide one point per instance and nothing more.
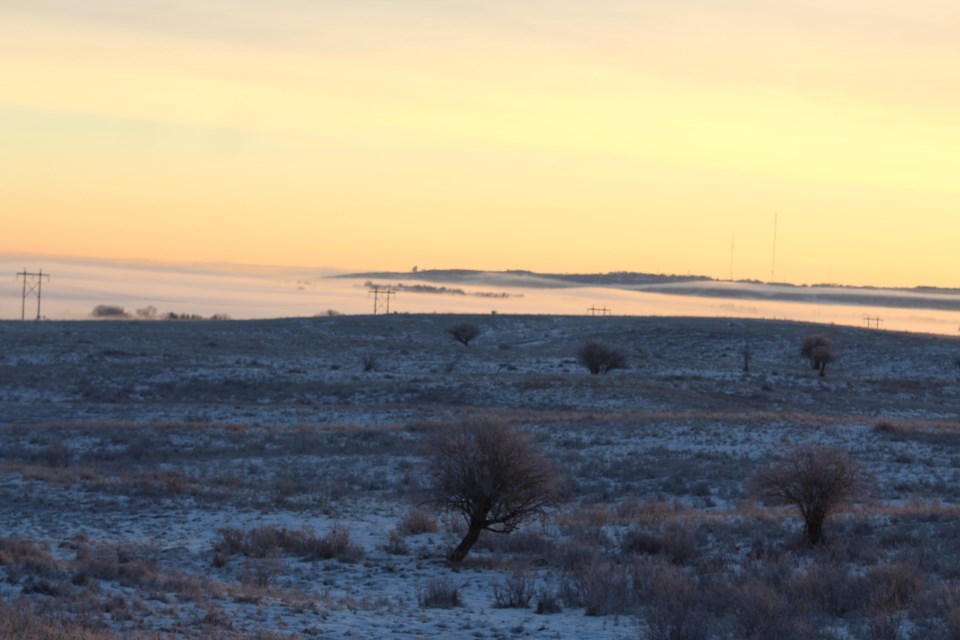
(773, 261)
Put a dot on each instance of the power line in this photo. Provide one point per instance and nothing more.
(32, 283)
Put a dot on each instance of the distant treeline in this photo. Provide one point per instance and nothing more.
(114, 312)
(450, 291)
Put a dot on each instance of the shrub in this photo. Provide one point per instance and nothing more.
(548, 601)
(951, 612)
(515, 592)
(20, 622)
(641, 541)
(816, 480)
(892, 590)
(675, 541)
(396, 545)
(670, 594)
(762, 612)
(259, 572)
(464, 332)
(606, 590)
(334, 544)
(262, 542)
(820, 350)
(599, 358)
(493, 475)
(440, 593)
(417, 521)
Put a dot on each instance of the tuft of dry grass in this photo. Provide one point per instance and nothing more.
(439, 593)
(415, 522)
(263, 542)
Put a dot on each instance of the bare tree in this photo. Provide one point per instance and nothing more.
(495, 476)
(819, 349)
(464, 332)
(148, 312)
(600, 358)
(817, 480)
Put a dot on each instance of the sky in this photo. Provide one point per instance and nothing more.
(804, 141)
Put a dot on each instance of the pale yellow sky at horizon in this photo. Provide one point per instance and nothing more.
(550, 136)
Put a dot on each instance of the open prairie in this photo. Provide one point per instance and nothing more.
(234, 479)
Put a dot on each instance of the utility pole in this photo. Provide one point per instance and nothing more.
(874, 321)
(381, 299)
(32, 282)
(601, 311)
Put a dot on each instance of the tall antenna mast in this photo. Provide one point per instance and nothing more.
(731, 258)
(773, 261)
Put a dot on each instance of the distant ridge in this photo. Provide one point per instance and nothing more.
(613, 278)
(702, 286)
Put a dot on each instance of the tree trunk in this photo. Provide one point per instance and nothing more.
(473, 533)
(823, 368)
(814, 530)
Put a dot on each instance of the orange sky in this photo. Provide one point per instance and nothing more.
(553, 136)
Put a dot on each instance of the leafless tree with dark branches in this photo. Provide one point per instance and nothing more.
(816, 480)
(464, 332)
(492, 474)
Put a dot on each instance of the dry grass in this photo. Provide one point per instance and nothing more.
(658, 526)
(269, 541)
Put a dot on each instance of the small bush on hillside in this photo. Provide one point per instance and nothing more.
(263, 542)
(515, 592)
(440, 593)
(670, 595)
(599, 358)
(417, 521)
(548, 601)
(820, 351)
(464, 332)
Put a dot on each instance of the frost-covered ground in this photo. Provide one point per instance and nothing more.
(178, 478)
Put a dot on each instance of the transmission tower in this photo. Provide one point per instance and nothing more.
(32, 284)
(598, 311)
(381, 299)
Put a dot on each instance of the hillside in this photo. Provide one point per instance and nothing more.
(240, 479)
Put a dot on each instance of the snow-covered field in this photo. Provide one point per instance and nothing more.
(178, 479)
